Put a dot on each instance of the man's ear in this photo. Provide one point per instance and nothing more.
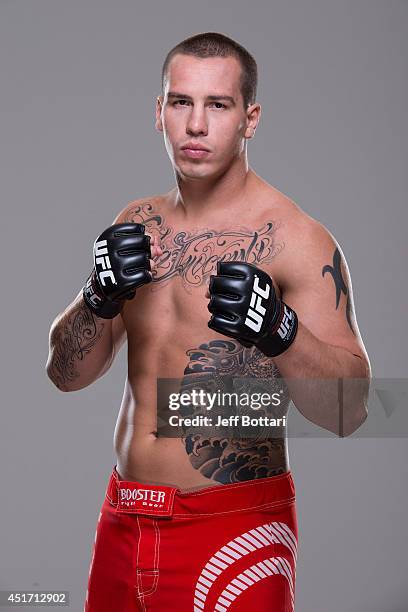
(253, 116)
(159, 107)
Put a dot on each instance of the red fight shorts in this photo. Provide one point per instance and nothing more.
(229, 547)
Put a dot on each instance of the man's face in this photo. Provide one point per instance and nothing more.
(189, 113)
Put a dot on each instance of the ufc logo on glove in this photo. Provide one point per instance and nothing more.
(256, 312)
(286, 323)
(102, 260)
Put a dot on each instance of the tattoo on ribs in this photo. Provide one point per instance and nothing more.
(212, 366)
(194, 256)
(340, 285)
(79, 334)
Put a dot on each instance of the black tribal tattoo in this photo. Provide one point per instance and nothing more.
(193, 257)
(212, 366)
(341, 287)
(79, 334)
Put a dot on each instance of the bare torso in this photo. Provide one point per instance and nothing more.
(168, 337)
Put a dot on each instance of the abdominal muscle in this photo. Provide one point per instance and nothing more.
(144, 457)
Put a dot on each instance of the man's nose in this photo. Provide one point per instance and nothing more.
(197, 121)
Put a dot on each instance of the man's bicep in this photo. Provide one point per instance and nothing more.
(319, 289)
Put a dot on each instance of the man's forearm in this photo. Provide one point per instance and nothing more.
(80, 347)
(319, 380)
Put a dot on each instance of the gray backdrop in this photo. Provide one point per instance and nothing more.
(78, 85)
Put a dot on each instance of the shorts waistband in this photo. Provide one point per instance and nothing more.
(134, 497)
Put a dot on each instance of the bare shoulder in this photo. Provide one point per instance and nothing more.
(288, 214)
(311, 247)
(307, 236)
(284, 211)
(142, 210)
(305, 243)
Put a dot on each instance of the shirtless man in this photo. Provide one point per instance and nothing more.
(197, 522)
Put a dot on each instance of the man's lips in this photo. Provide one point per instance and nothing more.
(195, 153)
(193, 146)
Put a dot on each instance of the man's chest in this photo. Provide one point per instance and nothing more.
(173, 308)
(190, 253)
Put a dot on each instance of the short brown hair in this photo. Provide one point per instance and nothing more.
(214, 44)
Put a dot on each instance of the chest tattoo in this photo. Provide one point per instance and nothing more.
(193, 255)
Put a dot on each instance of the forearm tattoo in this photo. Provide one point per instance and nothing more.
(76, 336)
(340, 285)
(193, 256)
(212, 366)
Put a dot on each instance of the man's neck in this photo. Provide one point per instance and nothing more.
(219, 196)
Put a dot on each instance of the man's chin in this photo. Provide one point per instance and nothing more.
(194, 174)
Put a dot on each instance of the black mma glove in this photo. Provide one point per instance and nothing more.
(244, 306)
(121, 264)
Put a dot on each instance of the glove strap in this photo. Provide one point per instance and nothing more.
(97, 302)
(281, 334)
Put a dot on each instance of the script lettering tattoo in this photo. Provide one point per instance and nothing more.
(341, 287)
(212, 366)
(193, 256)
(75, 338)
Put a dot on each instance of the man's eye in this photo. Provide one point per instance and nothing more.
(185, 102)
